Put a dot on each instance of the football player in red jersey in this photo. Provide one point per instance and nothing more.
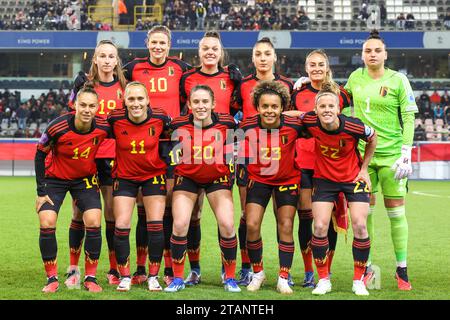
(264, 59)
(137, 130)
(317, 67)
(161, 75)
(222, 80)
(204, 149)
(74, 140)
(339, 168)
(269, 146)
(109, 82)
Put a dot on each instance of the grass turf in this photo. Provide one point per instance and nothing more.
(429, 243)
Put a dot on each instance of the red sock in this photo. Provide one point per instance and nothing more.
(153, 268)
(112, 260)
(141, 256)
(330, 256)
(244, 256)
(51, 268)
(178, 267)
(90, 267)
(124, 270)
(307, 259)
(167, 258)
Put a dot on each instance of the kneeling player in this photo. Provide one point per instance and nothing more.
(74, 140)
(137, 130)
(203, 136)
(270, 149)
(339, 168)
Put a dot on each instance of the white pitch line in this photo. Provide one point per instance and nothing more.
(429, 194)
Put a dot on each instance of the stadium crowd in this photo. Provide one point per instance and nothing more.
(199, 15)
(52, 15)
(23, 119)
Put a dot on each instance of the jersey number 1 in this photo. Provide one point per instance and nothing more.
(368, 105)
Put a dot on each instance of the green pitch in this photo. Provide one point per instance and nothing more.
(428, 203)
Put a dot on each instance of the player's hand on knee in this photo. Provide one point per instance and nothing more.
(301, 81)
(41, 200)
(364, 176)
(403, 167)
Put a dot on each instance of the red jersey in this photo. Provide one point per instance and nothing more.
(219, 82)
(243, 97)
(271, 153)
(337, 155)
(162, 81)
(303, 99)
(73, 152)
(137, 144)
(110, 97)
(203, 151)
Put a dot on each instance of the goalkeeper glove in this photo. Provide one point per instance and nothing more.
(235, 73)
(402, 167)
(301, 81)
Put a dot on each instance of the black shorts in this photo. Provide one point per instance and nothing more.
(170, 156)
(189, 185)
(155, 186)
(261, 193)
(104, 167)
(306, 180)
(241, 175)
(85, 193)
(328, 191)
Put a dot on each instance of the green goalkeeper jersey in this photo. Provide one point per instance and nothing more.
(383, 104)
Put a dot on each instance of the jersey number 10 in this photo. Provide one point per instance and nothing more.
(159, 85)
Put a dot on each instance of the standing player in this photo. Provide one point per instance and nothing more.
(339, 168)
(202, 137)
(222, 81)
(264, 59)
(161, 75)
(383, 99)
(108, 79)
(270, 147)
(317, 67)
(74, 140)
(137, 130)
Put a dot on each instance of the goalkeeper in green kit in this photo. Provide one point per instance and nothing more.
(383, 99)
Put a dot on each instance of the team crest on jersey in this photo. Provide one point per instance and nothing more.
(119, 94)
(284, 139)
(223, 84)
(171, 71)
(151, 131)
(384, 91)
(342, 143)
(95, 141)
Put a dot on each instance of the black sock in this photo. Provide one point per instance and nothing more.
(285, 255)
(76, 236)
(122, 245)
(109, 233)
(255, 250)
(242, 234)
(141, 238)
(194, 237)
(47, 244)
(305, 228)
(332, 236)
(155, 235)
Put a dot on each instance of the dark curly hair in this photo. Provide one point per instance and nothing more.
(271, 87)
